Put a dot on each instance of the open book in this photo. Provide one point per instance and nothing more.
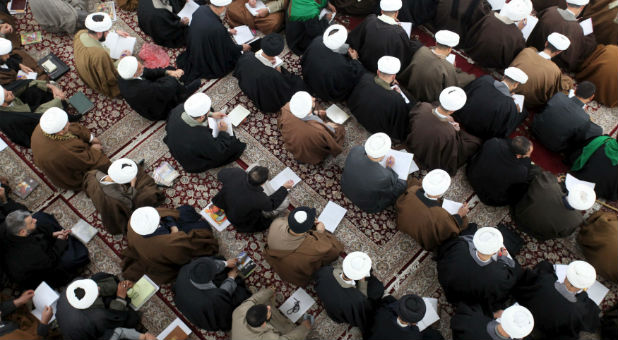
(407, 26)
(238, 115)
(142, 291)
(431, 313)
(44, 296)
(214, 125)
(285, 175)
(336, 114)
(117, 44)
(519, 100)
(451, 206)
(531, 21)
(243, 35)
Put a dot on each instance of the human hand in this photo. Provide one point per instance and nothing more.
(321, 113)
(503, 252)
(6, 29)
(173, 229)
(333, 125)
(353, 53)
(23, 298)
(329, 17)
(231, 263)
(218, 115)
(252, 3)
(175, 73)
(306, 323)
(3, 195)
(147, 336)
(222, 125)
(126, 53)
(396, 88)
(25, 68)
(246, 47)
(288, 184)
(123, 286)
(122, 34)
(133, 182)
(390, 161)
(233, 273)
(522, 23)
(46, 315)
(320, 227)
(184, 21)
(456, 126)
(263, 12)
(62, 234)
(57, 92)
(232, 31)
(463, 210)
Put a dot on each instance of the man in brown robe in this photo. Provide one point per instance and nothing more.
(13, 60)
(597, 238)
(420, 213)
(298, 245)
(267, 20)
(305, 133)
(604, 14)
(601, 68)
(125, 187)
(65, 151)
(162, 240)
(435, 138)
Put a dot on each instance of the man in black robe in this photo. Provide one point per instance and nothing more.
(470, 322)
(158, 19)
(458, 15)
(501, 171)
(190, 139)
(211, 51)
(597, 162)
(152, 92)
(417, 12)
(209, 281)
(396, 320)
(490, 111)
(328, 71)
(301, 28)
(263, 78)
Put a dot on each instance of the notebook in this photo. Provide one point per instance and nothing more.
(336, 114)
(31, 37)
(165, 174)
(141, 292)
(25, 187)
(81, 103)
(117, 44)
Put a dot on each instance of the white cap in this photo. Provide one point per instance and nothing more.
(5, 46)
(336, 40)
(1, 95)
(516, 10)
(447, 38)
(145, 220)
(453, 98)
(390, 5)
(389, 65)
(220, 3)
(517, 321)
(436, 182)
(581, 197)
(122, 171)
(581, 274)
(98, 26)
(377, 145)
(578, 2)
(300, 216)
(357, 265)
(197, 105)
(53, 120)
(301, 104)
(487, 240)
(516, 74)
(127, 67)
(91, 292)
(559, 41)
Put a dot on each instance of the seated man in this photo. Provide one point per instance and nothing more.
(345, 299)
(564, 126)
(420, 213)
(65, 151)
(60, 16)
(598, 163)
(7, 204)
(429, 72)
(437, 141)
(125, 187)
(160, 21)
(380, 93)
(161, 241)
(36, 248)
(458, 15)
(258, 318)
(501, 171)
(207, 290)
(547, 212)
(97, 308)
(329, 69)
(265, 82)
(305, 133)
(18, 320)
(13, 60)
(470, 322)
(397, 320)
(298, 245)
(303, 23)
(190, 139)
(561, 306)
(369, 185)
(599, 68)
(597, 240)
(243, 199)
(490, 110)
(477, 269)
(268, 20)
(152, 92)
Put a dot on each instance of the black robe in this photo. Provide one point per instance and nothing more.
(163, 26)
(470, 323)
(459, 15)
(329, 75)
(488, 112)
(211, 51)
(9, 207)
(267, 88)
(385, 326)
(599, 170)
(554, 315)
(299, 34)
(379, 109)
(417, 12)
(195, 148)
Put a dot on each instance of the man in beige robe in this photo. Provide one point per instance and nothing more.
(60, 16)
(267, 20)
(37, 92)
(597, 238)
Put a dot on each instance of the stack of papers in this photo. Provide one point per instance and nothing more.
(451, 206)
(496, 5)
(243, 34)
(117, 44)
(571, 181)
(296, 305)
(596, 292)
(214, 125)
(44, 296)
(188, 10)
(407, 26)
(176, 330)
(396, 87)
(238, 115)
(324, 12)
(285, 175)
(215, 216)
(336, 114)
(254, 10)
(586, 26)
(83, 231)
(451, 58)
(332, 215)
(519, 100)
(404, 163)
(531, 21)
(431, 314)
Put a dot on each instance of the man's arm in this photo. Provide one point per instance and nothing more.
(262, 297)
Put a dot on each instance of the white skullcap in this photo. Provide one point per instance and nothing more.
(390, 5)
(389, 65)
(197, 105)
(301, 104)
(516, 10)
(145, 220)
(517, 321)
(336, 40)
(578, 2)
(220, 3)
(487, 240)
(98, 26)
(53, 120)
(122, 171)
(91, 292)
(5, 46)
(581, 274)
(516, 74)
(1, 95)
(452, 98)
(447, 38)
(581, 197)
(377, 145)
(357, 265)
(127, 67)
(559, 41)
(300, 216)
(436, 182)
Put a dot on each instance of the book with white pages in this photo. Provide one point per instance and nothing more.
(571, 181)
(596, 292)
(451, 58)
(332, 215)
(297, 304)
(176, 324)
(586, 26)
(531, 21)
(23, 75)
(325, 11)
(395, 87)
(44, 296)
(237, 115)
(254, 10)
(336, 114)
(285, 175)
(404, 163)
(83, 231)
(451, 206)
(407, 26)
(519, 100)
(243, 34)
(188, 10)
(214, 125)
(496, 5)
(117, 44)
(431, 313)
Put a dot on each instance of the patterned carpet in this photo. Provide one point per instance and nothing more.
(398, 260)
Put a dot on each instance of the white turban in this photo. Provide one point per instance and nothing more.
(53, 120)
(301, 104)
(436, 182)
(5, 46)
(357, 265)
(516, 10)
(1, 95)
(220, 3)
(336, 40)
(516, 74)
(517, 321)
(487, 240)
(389, 65)
(452, 98)
(127, 67)
(578, 2)
(559, 41)
(197, 105)
(390, 5)
(377, 145)
(447, 38)
(145, 220)
(122, 171)
(581, 274)
(581, 197)
(98, 26)
(91, 292)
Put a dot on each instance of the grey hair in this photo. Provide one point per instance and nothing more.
(16, 221)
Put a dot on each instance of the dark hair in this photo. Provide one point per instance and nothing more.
(97, 18)
(520, 145)
(585, 89)
(257, 315)
(258, 175)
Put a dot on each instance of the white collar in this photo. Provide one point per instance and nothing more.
(104, 182)
(350, 282)
(388, 20)
(263, 59)
(431, 198)
(545, 55)
(439, 114)
(400, 324)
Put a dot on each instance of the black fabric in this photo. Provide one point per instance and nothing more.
(303, 227)
(8, 207)
(299, 34)
(272, 44)
(18, 126)
(470, 323)
(162, 26)
(599, 170)
(13, 62)
(411, 308)
(385, 325)
(417, 11)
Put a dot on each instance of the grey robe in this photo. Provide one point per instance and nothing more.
(61, 15)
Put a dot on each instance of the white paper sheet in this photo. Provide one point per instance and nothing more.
(325, 11)
(571, 93)
(586, 26)
(305, 302)
(336, 114)
(394, 87)
(519, 100)
(404, 163)
(3, 144)
(332, 215)
(188, 10)
(531, 21)
(570, 181)
(214, 125)
(44, 295)
(243, 34)
(83, 231)
(596, 292)
(431, 313)
(407, 26)
(219, 227)
(23, 75)
(451, 58)
(285, 175)
(117, 44)
(496, 5)
(254, 10)
(451, 206)
(238, 115)
(176, 323)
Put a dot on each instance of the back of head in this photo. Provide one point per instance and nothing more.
(257, 315)
(520, 145)
(258, 175)
(585, 89)
(16, 221)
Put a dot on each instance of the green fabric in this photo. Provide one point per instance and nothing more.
(611, 151)
(303, 10)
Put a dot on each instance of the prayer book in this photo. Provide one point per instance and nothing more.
(395, 87)
(81, 103)
(451, 206)
(285, 175)
(332, 215)
(519, 100)
(496, 5)
(596, 292)
(245, 265)
(336, 114)
(141, 292)
(17, 6)
(117, 44)
(23, 75)
(571, 181)
(165, 174)
(586, 26)
(238, 115)
(215, 216)
(53, 66)
(431, 314)
(243, 34)
(450, 58)
(177, 330)
(83, 231)
(531, 21)
(254, 10)
(214, 125)
(108, 7)
(44, 296)
(188, 10)
(25, 187)
(404, 163)
(31, 37)
(3, 146)
(407, 26)
(296, 305)
(325, 11)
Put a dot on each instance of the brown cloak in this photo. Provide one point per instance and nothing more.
(458, 15)
(597, 237)
(603, 20)
(309, 141)
(66, 161)
(161, 256)
(26, 322)
(493, 43)
(238, 14)
(15, 36)
(9, 76)
(601, 68)
(95, 67)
